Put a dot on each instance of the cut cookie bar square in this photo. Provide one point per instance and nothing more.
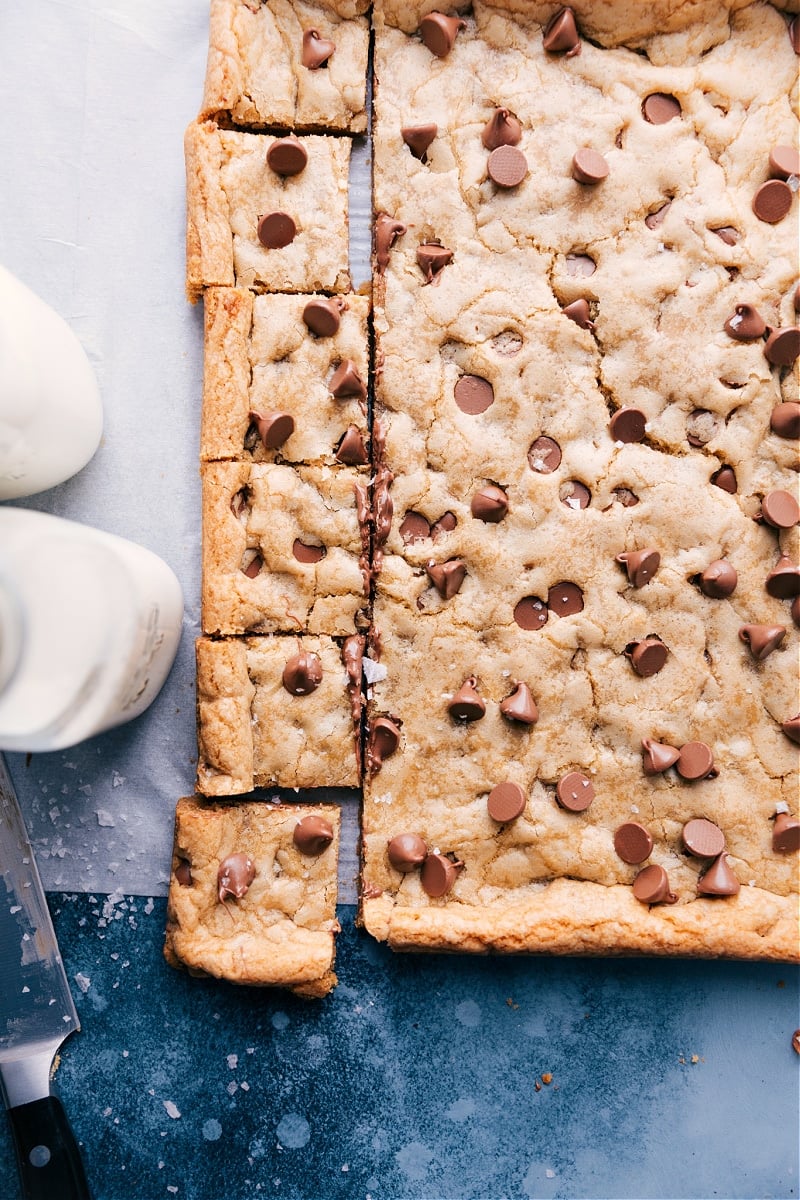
(249, 225)
(252, 896)
(282, 549)
(273, 711)
(263, 361)
(287, 63)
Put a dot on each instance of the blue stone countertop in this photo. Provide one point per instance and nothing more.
(423, 1077)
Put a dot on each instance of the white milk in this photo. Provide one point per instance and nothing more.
(51, 417)
(89, 628)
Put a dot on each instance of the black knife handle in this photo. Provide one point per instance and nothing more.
(48, 1158)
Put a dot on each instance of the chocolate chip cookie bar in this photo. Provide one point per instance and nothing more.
(282, 549)
(274, 711)
(291, 367)
(252, 896)
(287, 63)
(267, 219)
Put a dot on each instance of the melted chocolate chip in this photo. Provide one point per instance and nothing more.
(446, 524)
(579, 312)
(446, 577)
(785, 834)
(772, 201)
(530, 613)
(438, 875)
(544, 455)
(507, 166)
(641, 565)
(346, 381)
(439, 31)
(651, 886)
(502, 129)
(784, 161)
(414, 528)
(307, 554)
(580, 265)
(633, 843)
(628, 425)
(718, 880)
(793, 29)
(657, 757)
(302, 674)
(575, 792)
(725, 478)
(660, 107)
(432, 258)
(745, 324)
(588, 166)
(316, 50)
(489, 504)
(780, 510)
(727, 234)
(287, 156)
(785, 419)
(312, 835)
(702, 838)
(655, 220)
(467, 704)
(273, 428)
(520, 706)
(418, 138)
(574, 494)
(565, 599)
(625, 497)
(253, 565)
(783, 581)
(276, 230)
(383, 741)
(351, 449)
(506, 802)
(762, 639)
(701, 427)
(718, 580)
(183, 872)
(782, 347)
(406, 852)
(323, 316)
(647, 656)
(792, 728)
(696, 761)
(387, 231)
(234, 876)
(473, 395)
(561, 34)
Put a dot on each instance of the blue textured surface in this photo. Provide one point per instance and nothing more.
(417, 1077)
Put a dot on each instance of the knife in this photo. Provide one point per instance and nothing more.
(36, 1014)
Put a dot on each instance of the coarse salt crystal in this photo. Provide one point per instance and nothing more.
(172, 1110)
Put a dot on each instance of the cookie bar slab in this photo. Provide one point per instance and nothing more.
(257, 73)
(280, 931)
(261, 357)
(253, 732)
(232, 193)
(281, 549)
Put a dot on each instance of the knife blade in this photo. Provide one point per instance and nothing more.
(37, 1013)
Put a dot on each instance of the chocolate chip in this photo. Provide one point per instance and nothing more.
(793, 29)
(745, 324)
(302, 674)
(718, 580)
(701, 427)
(253, 566)
(414, 528)
(725, 478)
(530, 613)
(628, 425)
(783, 581)
(651, 886)
(507, 166)
(655, 220)
(183, 872)
(647, 656)
(785, 419)
(384, 738)
(561, 34)
(502, 129)
(438, 32)
(406, 852)
(446, 524)
(316, 49)
(696, 761)
(703, 838)
(438, 874)
(446, 577)
(641, 565)
(579, 312)
(346, 381)
(433, 257)
(234, 876)
(785, 834)
(467, 704)
(718, 880)
(473, 395)
(307, 554)
(795, 610)
(418, 138)
(625, 497)
(387, 231)
(727, 234)
(565, 599)
(489, 504)
(520, 706)
(762, 639)
(792, 728)
(796, 298)
(657, 757)
(287, 156)
(796, 1034)
(506, 802)
(575, 495)
(544, 455)
(784, 161)
(323, 317)
(588, 166)
(575, 792)
(633, 843)
(351, 449)
(273, 428)
(782, 347)
(772, 201)
(660, 107)
(780, 510)
(581, 265)
(312, 835)
(276, 230)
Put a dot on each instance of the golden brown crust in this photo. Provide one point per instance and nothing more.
(208, 257)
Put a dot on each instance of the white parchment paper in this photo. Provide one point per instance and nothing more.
(96, 95)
